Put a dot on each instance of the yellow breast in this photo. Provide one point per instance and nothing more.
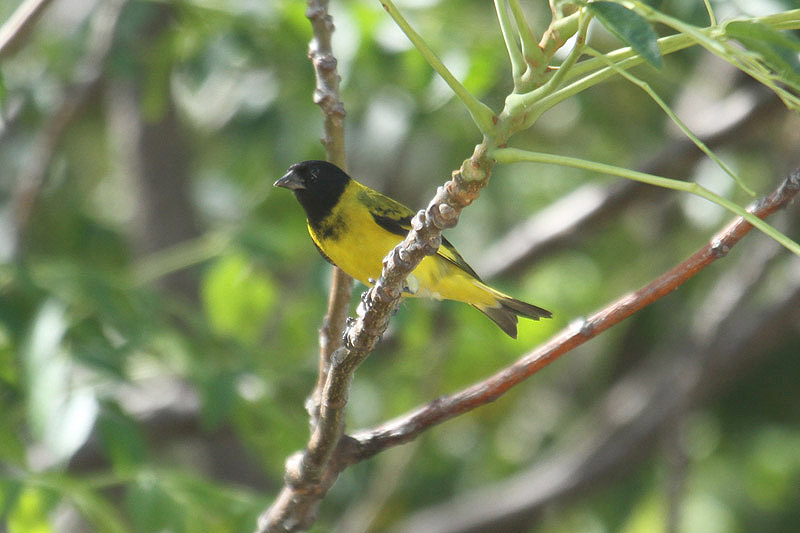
(352, 239)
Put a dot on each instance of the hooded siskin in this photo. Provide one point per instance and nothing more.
(355, 227)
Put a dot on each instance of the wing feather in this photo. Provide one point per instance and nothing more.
(395, 218)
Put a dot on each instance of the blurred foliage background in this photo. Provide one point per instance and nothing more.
(159, 301)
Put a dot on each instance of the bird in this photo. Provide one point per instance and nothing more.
(355, 227)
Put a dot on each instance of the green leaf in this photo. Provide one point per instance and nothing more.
(753, 29)
(62, 414)
(98, 511)
(121, 437)
(219, 398)
(238, 298)
(777, 49)
(30, 514)
(151, 507)
(631, 28)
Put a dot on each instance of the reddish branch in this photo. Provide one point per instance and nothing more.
(402, 429)
(637, 411)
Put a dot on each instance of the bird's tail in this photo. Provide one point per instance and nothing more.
(506, 310)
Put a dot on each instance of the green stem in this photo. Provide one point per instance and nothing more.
(530, 48)
(536, 102)
(580, 45)
(593, 71)
(671, 114)
(712, 19)
(557, 34)
(526, 104)
(514, 53)
(180, 256)
(482, 115)
(514, 155)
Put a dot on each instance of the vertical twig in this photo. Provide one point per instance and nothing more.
(326, 95)
(295, 507)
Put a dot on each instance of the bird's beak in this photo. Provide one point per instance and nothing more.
(290, 181)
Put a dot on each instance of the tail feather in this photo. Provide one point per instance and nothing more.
(505, 313)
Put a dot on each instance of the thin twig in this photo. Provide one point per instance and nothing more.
(87, 79)
(19, 25)
(326, 95)
(515, 56)
(511, 155)
(295, 506)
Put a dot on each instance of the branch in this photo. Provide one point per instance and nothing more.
(326, 95)
(310, 473)
(295, 508)
(19, 25)
(650, 396)
(407, 427)
(87, 79)
(530, 48)
(515, 56)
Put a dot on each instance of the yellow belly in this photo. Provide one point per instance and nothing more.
(361, 253)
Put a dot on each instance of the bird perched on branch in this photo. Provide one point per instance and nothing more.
(355, 227)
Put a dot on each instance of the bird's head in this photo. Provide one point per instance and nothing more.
(317, 185)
